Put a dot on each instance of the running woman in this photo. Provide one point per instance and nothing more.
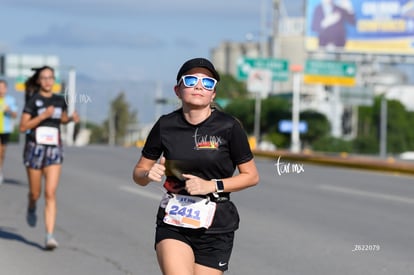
(197, 148)
(43, 154)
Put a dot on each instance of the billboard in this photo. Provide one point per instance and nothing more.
(360, 26)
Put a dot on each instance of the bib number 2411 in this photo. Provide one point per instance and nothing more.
(189, 211)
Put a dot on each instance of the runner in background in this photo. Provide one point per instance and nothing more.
(43, 114)
(8, 112)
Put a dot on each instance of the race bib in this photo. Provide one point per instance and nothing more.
(47, 135)
(189, 211)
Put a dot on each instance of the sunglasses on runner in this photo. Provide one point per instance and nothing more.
(189, 81)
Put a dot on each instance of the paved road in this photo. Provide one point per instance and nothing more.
(301, 219)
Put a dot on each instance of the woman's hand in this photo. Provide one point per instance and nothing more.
(47, 113)
(198, 186)
(75, 117)
(157, 171)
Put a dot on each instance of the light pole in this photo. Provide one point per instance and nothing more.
(258, 98)
(70, 127)
(387, 79)
(297, 77)
(383, 126)
(276, 14)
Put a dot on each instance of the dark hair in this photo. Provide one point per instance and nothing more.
(31, 85)
(3, 81)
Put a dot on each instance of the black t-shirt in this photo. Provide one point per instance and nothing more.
(37, 104)
(209, 150)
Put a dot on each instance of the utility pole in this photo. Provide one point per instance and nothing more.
(159, 100)
(275, 38)
(70, 127)
(383, 126)
(295, 145)
(258, 99)
(111, 126)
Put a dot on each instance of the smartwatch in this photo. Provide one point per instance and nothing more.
(219, 186)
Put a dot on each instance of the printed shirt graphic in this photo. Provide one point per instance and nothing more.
(207, 142)
(6, 121)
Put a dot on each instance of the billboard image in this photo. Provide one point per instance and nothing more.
(360, 26)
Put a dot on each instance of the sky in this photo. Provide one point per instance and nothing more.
(115, 44)
(128, 39)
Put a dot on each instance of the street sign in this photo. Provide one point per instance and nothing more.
(20, 85)
(21, 64)
(285, 126)
(278, 67)
(357, 96)
(333, 73)
(259, 81)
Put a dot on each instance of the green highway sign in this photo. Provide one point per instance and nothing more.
(278, 67)
(330, 73)
(330, 68)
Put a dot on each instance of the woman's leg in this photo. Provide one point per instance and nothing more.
(2, 154)
(175, 257)
(205, 270)
(35, 185)
(52, 175)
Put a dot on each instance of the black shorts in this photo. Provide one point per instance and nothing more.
(4, 138)
(212, 250)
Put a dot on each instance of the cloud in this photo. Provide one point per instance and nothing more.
(80, 36)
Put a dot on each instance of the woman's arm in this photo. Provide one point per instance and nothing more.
(147, 170)
(65, 119)
(28, 122)
(247, 177)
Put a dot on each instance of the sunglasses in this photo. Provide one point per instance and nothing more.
(189, 81)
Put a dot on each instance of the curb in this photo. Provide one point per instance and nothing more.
(344, 160)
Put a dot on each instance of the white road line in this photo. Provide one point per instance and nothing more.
(139, 191)
(366, 194)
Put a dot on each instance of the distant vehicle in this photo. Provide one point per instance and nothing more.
(407, 156)
(266, 146)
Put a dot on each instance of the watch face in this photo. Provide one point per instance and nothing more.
(220, 186)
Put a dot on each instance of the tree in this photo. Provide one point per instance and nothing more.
(398, 128)
(119, 119)
(230, 88)
(243, 109)
(97, 133)
(400, 134)
(318, 126)
(234, 98)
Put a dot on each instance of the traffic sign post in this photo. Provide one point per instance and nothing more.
(260, 73)
(278, 67)
(332, 73)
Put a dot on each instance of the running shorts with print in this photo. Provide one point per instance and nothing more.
(37, 156)
(212, 250)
